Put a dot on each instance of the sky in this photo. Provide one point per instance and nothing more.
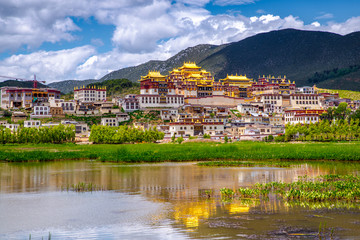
(86, 39)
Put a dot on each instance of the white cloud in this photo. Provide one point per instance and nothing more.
(265, 19)
(198, 3)
(144, 30)
(49, 66)
(261, 11)
(233, 2)
(97, 66)
(325, 16)
(315, 24)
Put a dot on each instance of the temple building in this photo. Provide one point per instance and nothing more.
(237, 86)
(157, 91)
(192, 81)
(15, 97)
(273, 85)
(90, 94)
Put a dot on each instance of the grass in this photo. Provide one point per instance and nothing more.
(353, 95)
(182, 152)
(320, 189)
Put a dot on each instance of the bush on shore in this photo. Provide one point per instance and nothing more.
(123, 134)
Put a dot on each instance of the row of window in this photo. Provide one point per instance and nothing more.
(191, 128)
(37, 108)
(110, 120)
(302, 119)
(156, 100)
(32, 123)
(303, 97)
(270, 102)
(132, 106)
(306, 102)
(272, 97)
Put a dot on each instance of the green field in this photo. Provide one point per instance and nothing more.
(353, 95)
(182, 152)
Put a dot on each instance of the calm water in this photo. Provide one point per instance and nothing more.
(161, 201)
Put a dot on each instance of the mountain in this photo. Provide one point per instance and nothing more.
(295, 53)
(67, 86)
(193, 54)
(23, 84)
(118, 87)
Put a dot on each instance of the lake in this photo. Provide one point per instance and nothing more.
(163, 201)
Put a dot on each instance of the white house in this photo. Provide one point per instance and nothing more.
(32, 123)
(302, 116)
(111, 122)
(213, 128)
(157, 101)
(122, 117)
(168, 114)
(41, 112)
(90, 94)
(247, 108)
(12, 127)
(181, 129)
(307, 90)
(130, 103)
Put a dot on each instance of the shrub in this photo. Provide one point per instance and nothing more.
(179, 140)
(206, 136)
(270, 138)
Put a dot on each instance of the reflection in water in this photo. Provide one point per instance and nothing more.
(189, 213)
(169, 181)
(167, 198)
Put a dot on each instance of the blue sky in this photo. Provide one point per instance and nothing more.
(58, 40)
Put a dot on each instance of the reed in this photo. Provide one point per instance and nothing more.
(248, 164)
(82, 187)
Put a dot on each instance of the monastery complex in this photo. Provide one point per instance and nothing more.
(190, 84)
(187, 102)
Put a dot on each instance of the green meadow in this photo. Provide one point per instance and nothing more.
(151, 152)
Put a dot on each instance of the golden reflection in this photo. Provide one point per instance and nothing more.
(191, 213)
(236, 208)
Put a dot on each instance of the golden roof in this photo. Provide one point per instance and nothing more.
(190, 65)
(195, 75)
(153, 74)
(232, 77)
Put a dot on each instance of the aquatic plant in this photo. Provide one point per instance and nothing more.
(248, 164)
(82, 187)
(227, 193)
(322, 188)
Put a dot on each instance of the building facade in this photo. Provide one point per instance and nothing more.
(15, 97)
(90, 94)
(302, 116)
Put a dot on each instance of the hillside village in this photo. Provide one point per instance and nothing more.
(188, 103)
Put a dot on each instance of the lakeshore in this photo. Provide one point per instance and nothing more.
(151, 152)
(167, 200)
